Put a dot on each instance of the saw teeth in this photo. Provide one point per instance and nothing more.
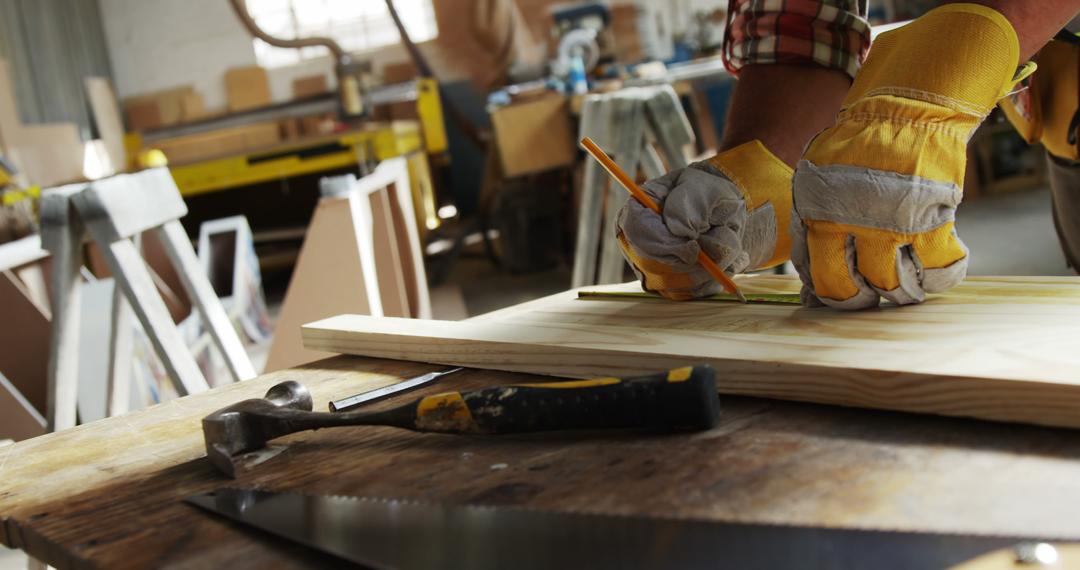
(591, 513)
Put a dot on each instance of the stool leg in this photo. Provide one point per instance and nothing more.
(63, 372)
(629, 133)
(214, 318)
(595, 124)
(130, 271)
(668, 121)
(651, 164)
(589, 217)
(121, 337)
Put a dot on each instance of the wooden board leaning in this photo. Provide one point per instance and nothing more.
(997, 348)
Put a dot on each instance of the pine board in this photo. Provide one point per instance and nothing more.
(997, 348)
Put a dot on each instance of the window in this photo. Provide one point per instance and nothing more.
(358, 25)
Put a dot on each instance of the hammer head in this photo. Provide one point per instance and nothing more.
(248, 425)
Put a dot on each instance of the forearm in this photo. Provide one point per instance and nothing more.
(795, 62)
(783, 106)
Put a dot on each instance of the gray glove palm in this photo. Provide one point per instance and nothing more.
(703, 209)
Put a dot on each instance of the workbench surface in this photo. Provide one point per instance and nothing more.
(109, 493)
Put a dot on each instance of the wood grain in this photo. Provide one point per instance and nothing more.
(994, 348)
(108, 494)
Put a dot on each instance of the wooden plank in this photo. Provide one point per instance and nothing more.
(21, 252)
(109, 494)
(125, 205)
(993, 348)
(106, 113)
(218, 143)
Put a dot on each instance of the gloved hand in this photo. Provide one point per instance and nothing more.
(736, 205)
(875, 195)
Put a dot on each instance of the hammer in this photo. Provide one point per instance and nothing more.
(679, 399)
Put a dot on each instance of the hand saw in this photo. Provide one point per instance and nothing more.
(383, 533)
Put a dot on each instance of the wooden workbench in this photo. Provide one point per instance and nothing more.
(109, 493)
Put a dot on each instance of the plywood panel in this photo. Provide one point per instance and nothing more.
(24, 341)
(995, 348)
(388, 256)
(328, 279)
(18, 418)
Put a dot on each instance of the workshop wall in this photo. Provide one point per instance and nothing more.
(50, 45)
(162, 44)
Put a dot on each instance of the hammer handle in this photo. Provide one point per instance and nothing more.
(679, 399)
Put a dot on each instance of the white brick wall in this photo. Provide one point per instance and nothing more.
(161, 44)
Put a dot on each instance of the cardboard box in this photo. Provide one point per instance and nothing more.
(534, 135)
(163, 108)
(222, 142)
(142, 115)
(247, 88)
(303, 87)
(192, 107)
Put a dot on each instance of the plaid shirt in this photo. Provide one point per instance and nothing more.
(831, 33)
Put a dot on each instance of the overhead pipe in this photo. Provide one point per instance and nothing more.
(347, 71)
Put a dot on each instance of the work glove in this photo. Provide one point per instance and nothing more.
(875, 195)
(1048, 112)
(736, 206)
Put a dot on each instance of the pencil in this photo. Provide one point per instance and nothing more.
(640, 195)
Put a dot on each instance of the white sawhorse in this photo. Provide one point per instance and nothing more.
(114, 212)
(629, 124)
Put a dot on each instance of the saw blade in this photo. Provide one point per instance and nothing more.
(384, 533)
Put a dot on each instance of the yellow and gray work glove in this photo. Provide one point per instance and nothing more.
(875, 195)
(736, 206)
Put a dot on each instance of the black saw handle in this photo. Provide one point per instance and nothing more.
(679, 399)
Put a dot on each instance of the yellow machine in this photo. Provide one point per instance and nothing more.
(372, 142)
(18, 215)
(421, 140)
(10, 192)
